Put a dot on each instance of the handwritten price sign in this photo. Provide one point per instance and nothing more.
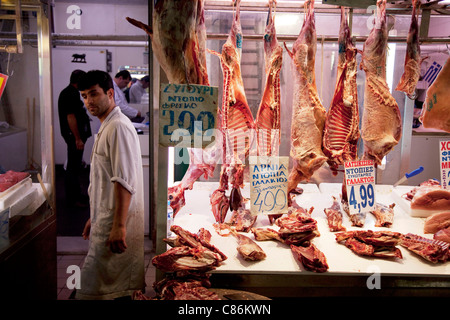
(187, 113)
(268, 186)
(360, 181)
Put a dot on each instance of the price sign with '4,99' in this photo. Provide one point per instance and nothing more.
(360, 182)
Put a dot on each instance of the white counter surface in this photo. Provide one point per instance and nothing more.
(341, 260)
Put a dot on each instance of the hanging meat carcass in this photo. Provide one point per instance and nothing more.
(178, 36)
(341, 132)
(411, 74)
(436, 108)
(269, 111)
(237, 123)
(308, 114)
(381, 122)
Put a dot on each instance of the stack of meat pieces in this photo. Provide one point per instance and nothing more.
(296, 230)
(379, 244)
(191, 257)
(185, 286)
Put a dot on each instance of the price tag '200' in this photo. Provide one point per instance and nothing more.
(360, 182)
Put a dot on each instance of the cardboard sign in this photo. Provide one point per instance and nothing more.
(3, 79)
(268, 186)
(360, 182)
(444, 155)
(187, 115)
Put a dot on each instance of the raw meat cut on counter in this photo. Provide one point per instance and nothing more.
(186, 238)
(11, 178)
(310, 257)
(341, 133)
(248, 248)
(379, 244)
(381, 126)
(294, 228)
(436, 108)
(411, 74)
(436, 222)
(269, 111)
(429, 183)
(429, 249)
(237, 122)
(384, 215)
(243, 219)
(308, 113)
(334, 216)
(442, 235)
(431, 198)
(186, 258)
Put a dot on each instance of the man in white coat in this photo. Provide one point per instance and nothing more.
(121, 80)
(114, 265)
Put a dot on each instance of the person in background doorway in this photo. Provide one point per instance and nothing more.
(75, 129)
(114, 265)
(137, 90)
(121, 80)
(127, 90)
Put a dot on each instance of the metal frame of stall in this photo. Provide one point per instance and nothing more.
(310, 284)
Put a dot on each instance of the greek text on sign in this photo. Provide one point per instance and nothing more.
(268, 185)
(360, 181)
(187, 114)
(444, 154)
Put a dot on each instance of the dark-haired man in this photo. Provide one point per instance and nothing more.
(114, 265)
(121, 80)
(75, 129)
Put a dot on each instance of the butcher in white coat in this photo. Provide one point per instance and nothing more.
(114, 265)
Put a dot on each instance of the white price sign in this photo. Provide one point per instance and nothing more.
(360, 182)
(268, 185)
(444, 155)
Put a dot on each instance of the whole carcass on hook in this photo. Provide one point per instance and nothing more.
(308, 113)
(178, 36)
(237, 123)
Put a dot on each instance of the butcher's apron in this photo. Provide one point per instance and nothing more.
(116, 158)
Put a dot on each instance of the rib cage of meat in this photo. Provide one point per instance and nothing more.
(381, 126)
(341, 132)
(308, 114)
(237, 123)
(269, 111)
(411, 74)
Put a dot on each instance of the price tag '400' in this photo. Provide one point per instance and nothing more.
(360, 183)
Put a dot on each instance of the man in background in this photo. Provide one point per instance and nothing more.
(75, 129)
(121, 80)
(137, 90)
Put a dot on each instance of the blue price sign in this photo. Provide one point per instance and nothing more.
(268, 186)
(360, 182)
(187, 114)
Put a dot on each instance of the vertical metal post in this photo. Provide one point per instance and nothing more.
(405, 152)
(45, 97)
